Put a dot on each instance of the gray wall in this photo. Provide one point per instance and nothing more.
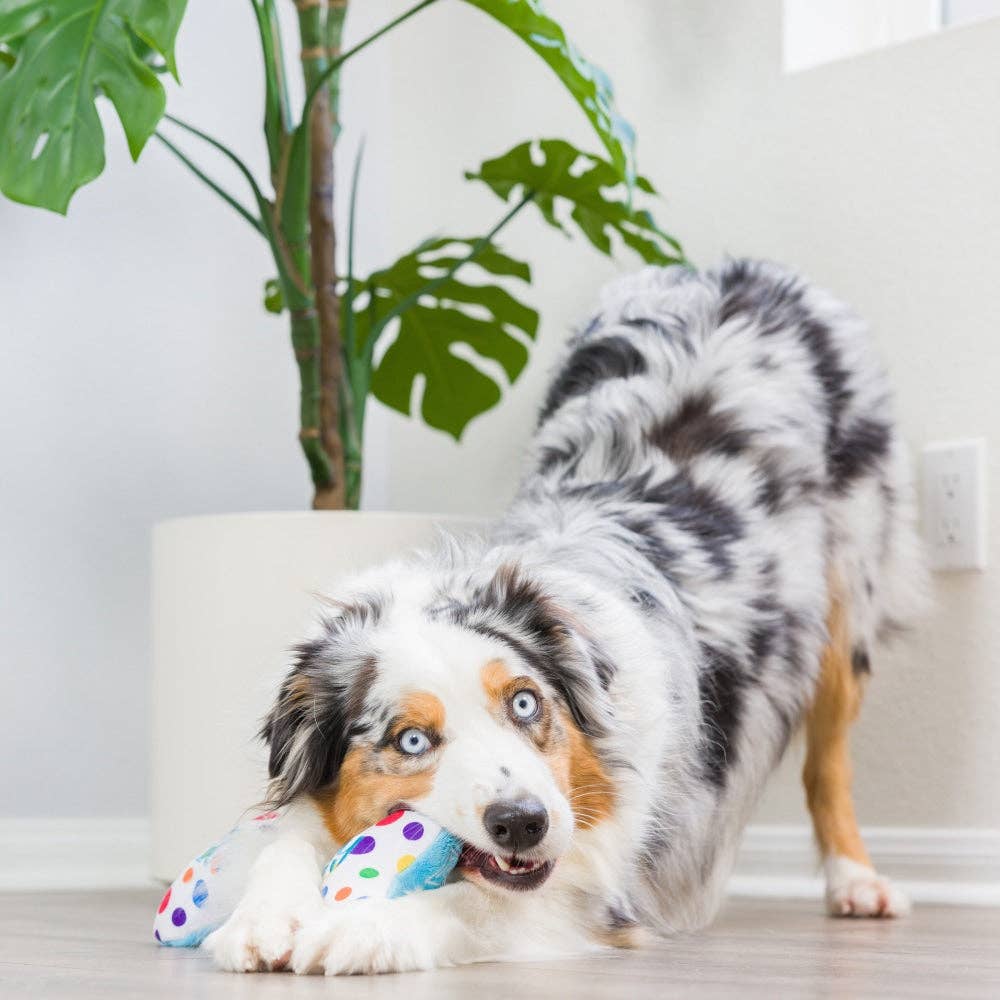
(141, 379)
(877, 176)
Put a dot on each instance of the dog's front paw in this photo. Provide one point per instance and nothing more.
(368, 936)
(855, 890)
(259, 937)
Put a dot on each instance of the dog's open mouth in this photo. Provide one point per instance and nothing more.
(520, 874)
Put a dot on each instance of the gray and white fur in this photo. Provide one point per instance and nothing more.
(712, 447)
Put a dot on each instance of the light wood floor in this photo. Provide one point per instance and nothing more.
(78, 945)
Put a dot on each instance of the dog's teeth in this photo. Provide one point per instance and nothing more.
(523, 868)
(528, 866)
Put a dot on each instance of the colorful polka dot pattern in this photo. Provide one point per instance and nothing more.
(401, 853)
(199, 895)
(192, 908)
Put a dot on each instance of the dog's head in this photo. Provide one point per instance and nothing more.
(481, 709)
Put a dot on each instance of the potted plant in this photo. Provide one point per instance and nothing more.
(231, 591)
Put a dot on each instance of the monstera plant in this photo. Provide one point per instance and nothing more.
(431, 315)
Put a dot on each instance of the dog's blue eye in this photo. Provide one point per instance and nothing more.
(524, 705)
(414, 741)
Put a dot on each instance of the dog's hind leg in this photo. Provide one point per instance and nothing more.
(853, 887)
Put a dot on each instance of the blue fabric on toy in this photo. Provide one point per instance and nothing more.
(431, 869)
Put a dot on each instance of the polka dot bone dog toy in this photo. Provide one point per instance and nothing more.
(402, 853)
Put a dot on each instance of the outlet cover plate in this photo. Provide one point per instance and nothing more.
(953, 503)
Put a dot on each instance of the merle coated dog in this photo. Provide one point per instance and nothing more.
(713, 534)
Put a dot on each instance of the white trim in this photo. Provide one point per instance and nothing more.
(93, 853)
(933, 865)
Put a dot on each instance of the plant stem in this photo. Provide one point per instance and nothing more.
(302, 238)
(274, 24)
(359, 369)
(305, 341)
(289, 244)
(216, 187)
(335, 64)
(348, 304)
(336, 12)
(222, 148)
(322, 241)
(337, 383)
(359, 374)
(277, 118)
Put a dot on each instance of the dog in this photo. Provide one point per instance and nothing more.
(713, 535)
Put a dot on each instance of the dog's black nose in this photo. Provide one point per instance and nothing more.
(516, 824)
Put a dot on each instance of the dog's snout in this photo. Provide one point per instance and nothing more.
(516, 824)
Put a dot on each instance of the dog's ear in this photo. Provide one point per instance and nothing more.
(320, 708)
(516, 609)
(306, 729)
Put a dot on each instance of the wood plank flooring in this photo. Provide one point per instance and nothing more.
(97, 946)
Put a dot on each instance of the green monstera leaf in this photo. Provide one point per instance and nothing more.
(66, 53)
(449, 335)
(558, 174)
(589, 85)
(7, 59)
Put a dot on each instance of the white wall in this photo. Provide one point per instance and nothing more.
(148, 383)
(964, 11)
(816, 31)
(140, 379)
(877, 176)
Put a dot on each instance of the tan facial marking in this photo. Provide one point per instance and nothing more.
(495, 679)
(370, 780)
(570, 756)
(582, 777)
(421, 710)
(500, 687)
(363, 794)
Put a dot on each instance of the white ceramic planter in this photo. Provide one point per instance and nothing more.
(231, 594)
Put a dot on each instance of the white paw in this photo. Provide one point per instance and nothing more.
(368, 936)
(854, 890)
(259, 937)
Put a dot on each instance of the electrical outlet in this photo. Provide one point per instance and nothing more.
(954, 503)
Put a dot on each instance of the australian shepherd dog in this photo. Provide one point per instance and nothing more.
(712, 536)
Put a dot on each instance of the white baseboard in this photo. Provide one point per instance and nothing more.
(933, 865)
(959, 866)
(99, 853)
